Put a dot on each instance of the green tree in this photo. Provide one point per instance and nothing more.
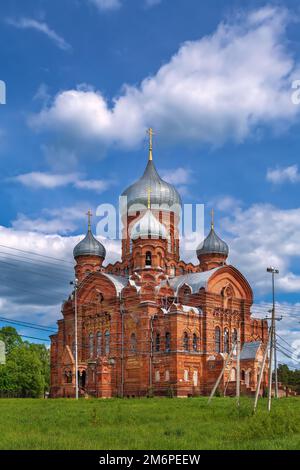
(11, 338)
(27, 369)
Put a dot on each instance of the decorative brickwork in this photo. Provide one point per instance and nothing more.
(152, 324)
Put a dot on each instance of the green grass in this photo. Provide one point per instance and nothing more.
(158, 423)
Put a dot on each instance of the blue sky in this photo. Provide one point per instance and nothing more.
(85, 79)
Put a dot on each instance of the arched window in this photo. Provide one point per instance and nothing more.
(99, 343)
(226, 340)
(195, 342)
(218, 339)
(169, 245)
(243, 374)
(168, 342)
(157, 342)
(233, 375)
(107, 342)
(148, 258)
(68, 376)
(234, 335)
(91, 344)
(133, 342)
(186, 341)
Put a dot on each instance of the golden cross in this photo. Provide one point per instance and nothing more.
(150, 132)
(89, 214)
(212, 223)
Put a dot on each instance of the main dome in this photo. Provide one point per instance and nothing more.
(162, 194)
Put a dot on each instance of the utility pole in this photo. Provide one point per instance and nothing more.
(75, 284)
(273, 271)
(238, 367)
(226, 362)
(261, 371)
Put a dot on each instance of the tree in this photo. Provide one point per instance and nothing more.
(27, 369)
(11, 338)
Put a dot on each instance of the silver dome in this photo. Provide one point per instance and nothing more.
(212, 244)
(148, 227)
(162, 194)
(89, 246)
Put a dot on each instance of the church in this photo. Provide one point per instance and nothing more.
(152, 324)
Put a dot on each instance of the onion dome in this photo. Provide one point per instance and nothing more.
(148, 227)
(212, 244)
(89, 246)
(163, 194)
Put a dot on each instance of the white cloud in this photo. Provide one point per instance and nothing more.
(37, 179)
(222, 87)
(264, 235)
(30, 23)
(152, 3)
(288, 174)
(107, 4)
(177, 176)
(33, 288)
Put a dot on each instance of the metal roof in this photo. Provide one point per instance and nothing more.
(212, 244)
(250, 349)
(194, 280)
(162, 194)
(148, 226)
(89, 246)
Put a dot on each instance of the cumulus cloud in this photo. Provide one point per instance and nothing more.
(105, 5)
(263, 235)
(220, 88)
(30, 23)
(37, 179)
(33, 287)
(289, 174)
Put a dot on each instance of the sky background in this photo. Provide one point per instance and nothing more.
(86, 78)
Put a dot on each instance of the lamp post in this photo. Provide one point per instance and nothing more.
(273, 271)
(75, 284)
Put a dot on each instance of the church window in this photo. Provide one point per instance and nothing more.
(186, 375)
(91, 344)
(157, 376)
(168, 342)
(195, 342)
(157, 342)
(243, 375)
(169, 245)
(234, 335)
(107, 342)
(133, 342)
(99, 343)
(218, 339)
(68, 376)
(186, 341)
(172, 271)
(233, 375)
(226, 340)
(148, 258)
(167, 376)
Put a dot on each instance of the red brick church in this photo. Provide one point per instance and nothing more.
(152, 324)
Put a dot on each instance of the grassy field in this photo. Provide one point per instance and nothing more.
(148, 424)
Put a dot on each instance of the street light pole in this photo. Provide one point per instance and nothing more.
(273, 271)
(75, 284)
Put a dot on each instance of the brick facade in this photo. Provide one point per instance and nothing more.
(152, 324)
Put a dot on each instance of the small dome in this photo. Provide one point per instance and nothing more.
(148, 227)
(162, 193)
(212, 244)
(89, 246)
